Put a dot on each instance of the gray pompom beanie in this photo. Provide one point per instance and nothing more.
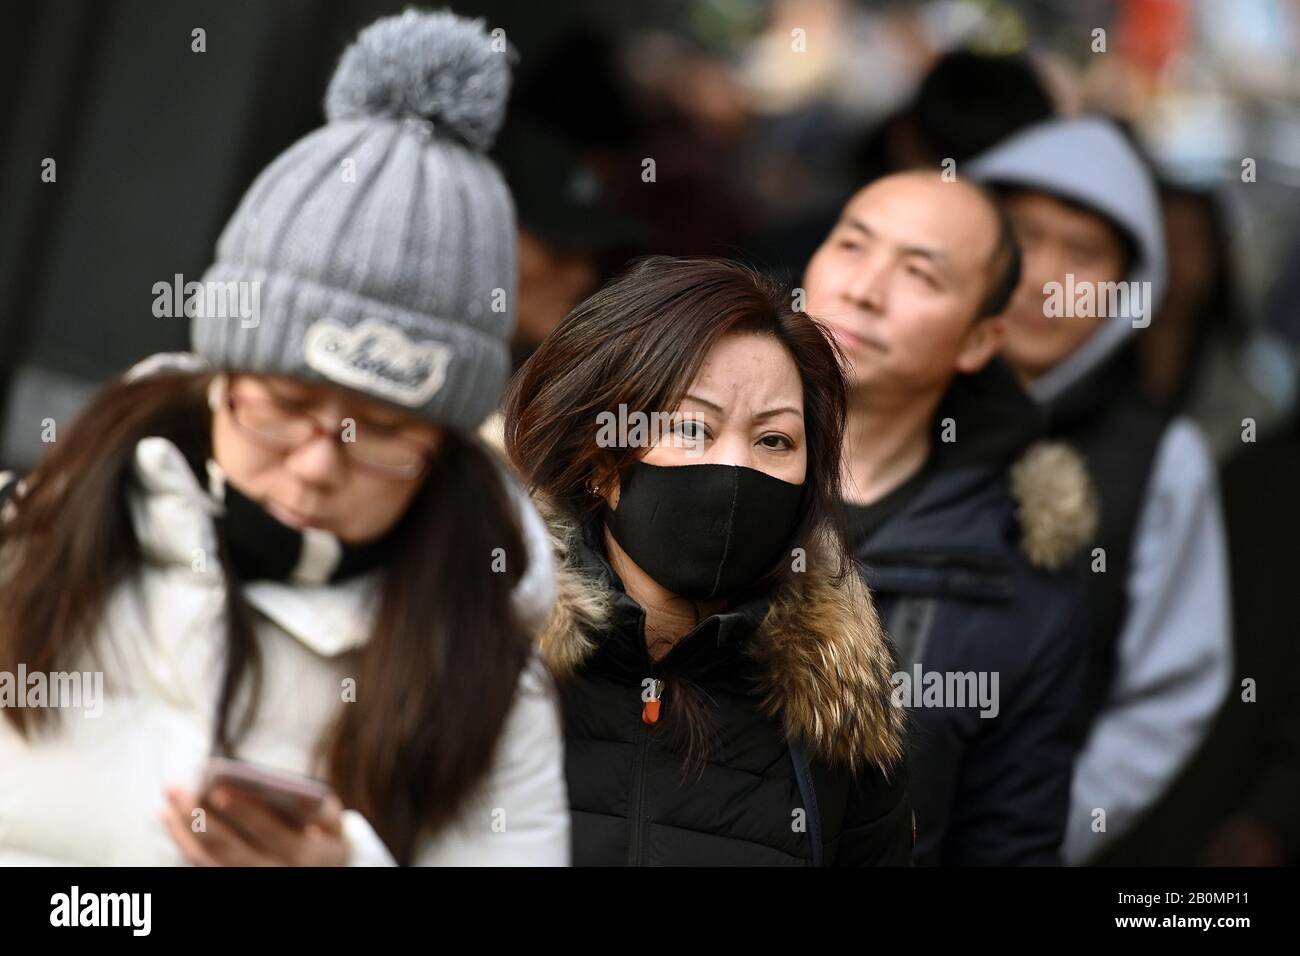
(379, 250)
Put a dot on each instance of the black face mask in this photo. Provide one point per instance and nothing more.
(261, 547)
(704, 531)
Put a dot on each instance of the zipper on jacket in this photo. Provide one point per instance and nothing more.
(638, 798)
(650, 707)
(649, 715)
(649, 695)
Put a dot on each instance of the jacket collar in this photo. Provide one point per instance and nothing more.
(824, 663)
(1049, 495)
(587, 558)
(994, 417)
(173, 519)
(998, 473)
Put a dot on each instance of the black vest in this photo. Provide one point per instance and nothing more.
(1117, 430)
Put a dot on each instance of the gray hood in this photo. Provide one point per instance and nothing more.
(1088, 161)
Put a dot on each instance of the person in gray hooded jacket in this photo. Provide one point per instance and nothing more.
(1087, 217)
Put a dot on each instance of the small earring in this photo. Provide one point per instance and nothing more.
(593, 490)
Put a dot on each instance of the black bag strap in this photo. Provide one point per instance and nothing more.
(803, 775)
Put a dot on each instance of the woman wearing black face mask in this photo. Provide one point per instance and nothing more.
(724, 677)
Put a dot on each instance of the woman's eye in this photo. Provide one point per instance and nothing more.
(691, 430)
(776, 442)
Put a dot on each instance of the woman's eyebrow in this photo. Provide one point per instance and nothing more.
(286, 391)
(773, 412)
(761, 416)
(377, 416)
(703, 401)
(381, 422)
(296, 394)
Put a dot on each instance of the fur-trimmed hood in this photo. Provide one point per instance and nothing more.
(1055, 502)
(987, 426)
(968, 525)
(824, 662)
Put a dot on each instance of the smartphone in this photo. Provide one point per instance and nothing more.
(297, 798)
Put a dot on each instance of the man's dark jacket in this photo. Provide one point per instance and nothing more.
(980, 573)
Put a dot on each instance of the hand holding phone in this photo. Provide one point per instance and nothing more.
(297, 798)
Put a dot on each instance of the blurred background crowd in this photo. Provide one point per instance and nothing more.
(759, 119)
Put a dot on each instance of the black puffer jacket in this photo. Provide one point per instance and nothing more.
(796, 687)
(964, 579)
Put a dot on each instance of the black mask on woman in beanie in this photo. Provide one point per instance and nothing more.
(261, 547)
(704, 531)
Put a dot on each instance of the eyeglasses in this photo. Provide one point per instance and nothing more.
(283, 427)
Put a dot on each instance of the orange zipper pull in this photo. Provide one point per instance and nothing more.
(650, 696)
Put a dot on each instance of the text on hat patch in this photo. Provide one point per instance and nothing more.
(377, 358)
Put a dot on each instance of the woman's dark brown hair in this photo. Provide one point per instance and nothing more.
(436, 679)
(640, 342)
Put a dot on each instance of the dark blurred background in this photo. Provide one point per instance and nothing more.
(758, 135)
(761, 117)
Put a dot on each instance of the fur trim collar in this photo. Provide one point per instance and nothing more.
(1056, 501)
(824, 660)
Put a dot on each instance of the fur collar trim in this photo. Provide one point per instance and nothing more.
(1057, 504)
(824, 660)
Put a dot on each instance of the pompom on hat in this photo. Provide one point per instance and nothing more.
(425, 66)
(381, 247)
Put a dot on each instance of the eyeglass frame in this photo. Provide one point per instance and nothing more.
(394, 472)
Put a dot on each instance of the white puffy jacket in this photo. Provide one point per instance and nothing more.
(90, 792)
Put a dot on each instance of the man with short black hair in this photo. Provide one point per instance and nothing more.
(963, 523)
